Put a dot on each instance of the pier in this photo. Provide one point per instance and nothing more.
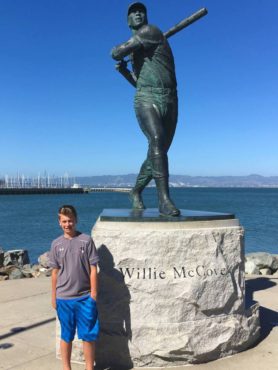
(72, 190)
(29, 191)
(105, 189)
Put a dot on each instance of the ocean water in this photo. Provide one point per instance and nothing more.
(30, 221)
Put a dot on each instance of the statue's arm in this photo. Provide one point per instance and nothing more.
(126, 48)
(124, 71)
(123, 50)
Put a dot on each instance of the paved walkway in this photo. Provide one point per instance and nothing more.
(27, 328)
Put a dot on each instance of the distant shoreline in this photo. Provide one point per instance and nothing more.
(184, 181)
(176, 181)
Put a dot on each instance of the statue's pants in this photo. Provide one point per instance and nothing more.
(156, 110)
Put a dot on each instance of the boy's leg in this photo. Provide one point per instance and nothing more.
(66, 354)
(65, 312)
(89, 354)
(87, 328)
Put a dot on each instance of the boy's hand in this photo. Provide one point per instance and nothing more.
(94, 296)
(54, 283)
(53, 303)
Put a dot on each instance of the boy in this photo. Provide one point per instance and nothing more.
(73, 258)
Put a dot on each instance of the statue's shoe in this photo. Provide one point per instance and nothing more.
(167, 208)
(136, 200)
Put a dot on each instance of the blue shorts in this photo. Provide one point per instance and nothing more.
(80, 313)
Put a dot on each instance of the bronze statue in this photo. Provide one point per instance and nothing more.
(156, 102)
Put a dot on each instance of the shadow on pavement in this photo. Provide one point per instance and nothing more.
(14, 331)
(6, 345)
(268, 318)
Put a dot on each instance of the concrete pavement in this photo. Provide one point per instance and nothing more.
(27, 328)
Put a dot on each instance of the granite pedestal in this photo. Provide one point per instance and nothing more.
(171, 291)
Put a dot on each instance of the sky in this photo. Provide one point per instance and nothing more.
(65, 109)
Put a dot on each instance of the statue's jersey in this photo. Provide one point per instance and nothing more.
(153, 64)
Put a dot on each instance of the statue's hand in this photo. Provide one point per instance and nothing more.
(122, 65)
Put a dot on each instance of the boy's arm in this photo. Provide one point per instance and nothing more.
(54, 284)
(93, 281)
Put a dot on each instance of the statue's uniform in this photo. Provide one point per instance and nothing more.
(155, 106)
(156, 96)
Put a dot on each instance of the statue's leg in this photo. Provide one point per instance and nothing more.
(170, 116)
(161, 177)
(170, 120)
(151, 124)
(143, 178)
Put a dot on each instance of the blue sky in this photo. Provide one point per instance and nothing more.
(64, 108)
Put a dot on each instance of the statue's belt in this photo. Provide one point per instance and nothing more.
(157, 90)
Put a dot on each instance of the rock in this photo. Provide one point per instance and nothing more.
(48, 272)
(262, 260)
(1, 257)
(176, 289)
(45, 271)
(16, 274)
(6, 270)
(12, 272)
(44, 260)
(265, 271)
(4, 277)
(37, 274)
(17, 257)
(275, 263)
(27, 271)
(251, 268)
(35, 268)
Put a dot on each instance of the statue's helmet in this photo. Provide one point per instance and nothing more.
(136, 6)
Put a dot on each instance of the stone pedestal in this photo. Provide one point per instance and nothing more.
(171, 292)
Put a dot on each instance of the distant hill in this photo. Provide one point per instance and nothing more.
(184, 181)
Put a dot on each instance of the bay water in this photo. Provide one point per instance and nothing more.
(30, 221)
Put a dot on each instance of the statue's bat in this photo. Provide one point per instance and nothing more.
(178, 27)
(172, 31)
(186, 22)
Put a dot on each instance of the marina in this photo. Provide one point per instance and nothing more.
(46, 184)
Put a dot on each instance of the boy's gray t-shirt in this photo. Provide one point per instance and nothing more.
(73, 258)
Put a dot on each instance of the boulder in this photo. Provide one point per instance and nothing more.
(16, 273)
(27, 271)
(17, 257)
(44, 260)
(48, 272)
(1, 257)
(265, 271)
(6, 270)
(4, 277)
(275, 262)
(35, 267)
(45, 271)
(251, 268)
(262, 260)
(36, 270)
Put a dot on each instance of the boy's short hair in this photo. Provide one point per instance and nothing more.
(67, 210)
